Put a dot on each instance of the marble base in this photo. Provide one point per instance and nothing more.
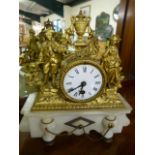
(49, 124)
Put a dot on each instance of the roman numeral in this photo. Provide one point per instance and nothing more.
(96, 76)
(70, 76)
(97, 82)
(84, 69)
(95, 89)
(91, 71)
(76, 70)
(76, 94)
(89, 93)
(68, 83)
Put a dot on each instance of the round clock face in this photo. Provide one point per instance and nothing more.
(83, 82)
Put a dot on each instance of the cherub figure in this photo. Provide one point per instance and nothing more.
(31, 52)
(32, 76)
(32, 46)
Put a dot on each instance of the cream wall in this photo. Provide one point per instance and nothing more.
(67, 15)
(50, 17)
(97, 6)
(66, 18)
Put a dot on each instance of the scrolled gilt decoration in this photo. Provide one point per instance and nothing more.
(49, 53)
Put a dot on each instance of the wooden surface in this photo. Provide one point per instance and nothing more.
(126, 30)
(122, 144)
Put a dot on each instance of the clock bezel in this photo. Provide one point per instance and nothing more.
(82, 62)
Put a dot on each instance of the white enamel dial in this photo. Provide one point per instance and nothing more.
(83, 82)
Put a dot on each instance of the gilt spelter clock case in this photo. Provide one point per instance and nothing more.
(82, 81)
(76, 82)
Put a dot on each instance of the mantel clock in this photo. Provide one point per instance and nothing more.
(73, 75)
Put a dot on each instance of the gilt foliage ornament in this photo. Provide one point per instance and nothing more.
(51, 56)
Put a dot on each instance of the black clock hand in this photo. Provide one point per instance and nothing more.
(83, 83)
(81, 91)
(72, 89)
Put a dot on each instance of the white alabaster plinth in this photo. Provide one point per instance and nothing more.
(48, 124)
